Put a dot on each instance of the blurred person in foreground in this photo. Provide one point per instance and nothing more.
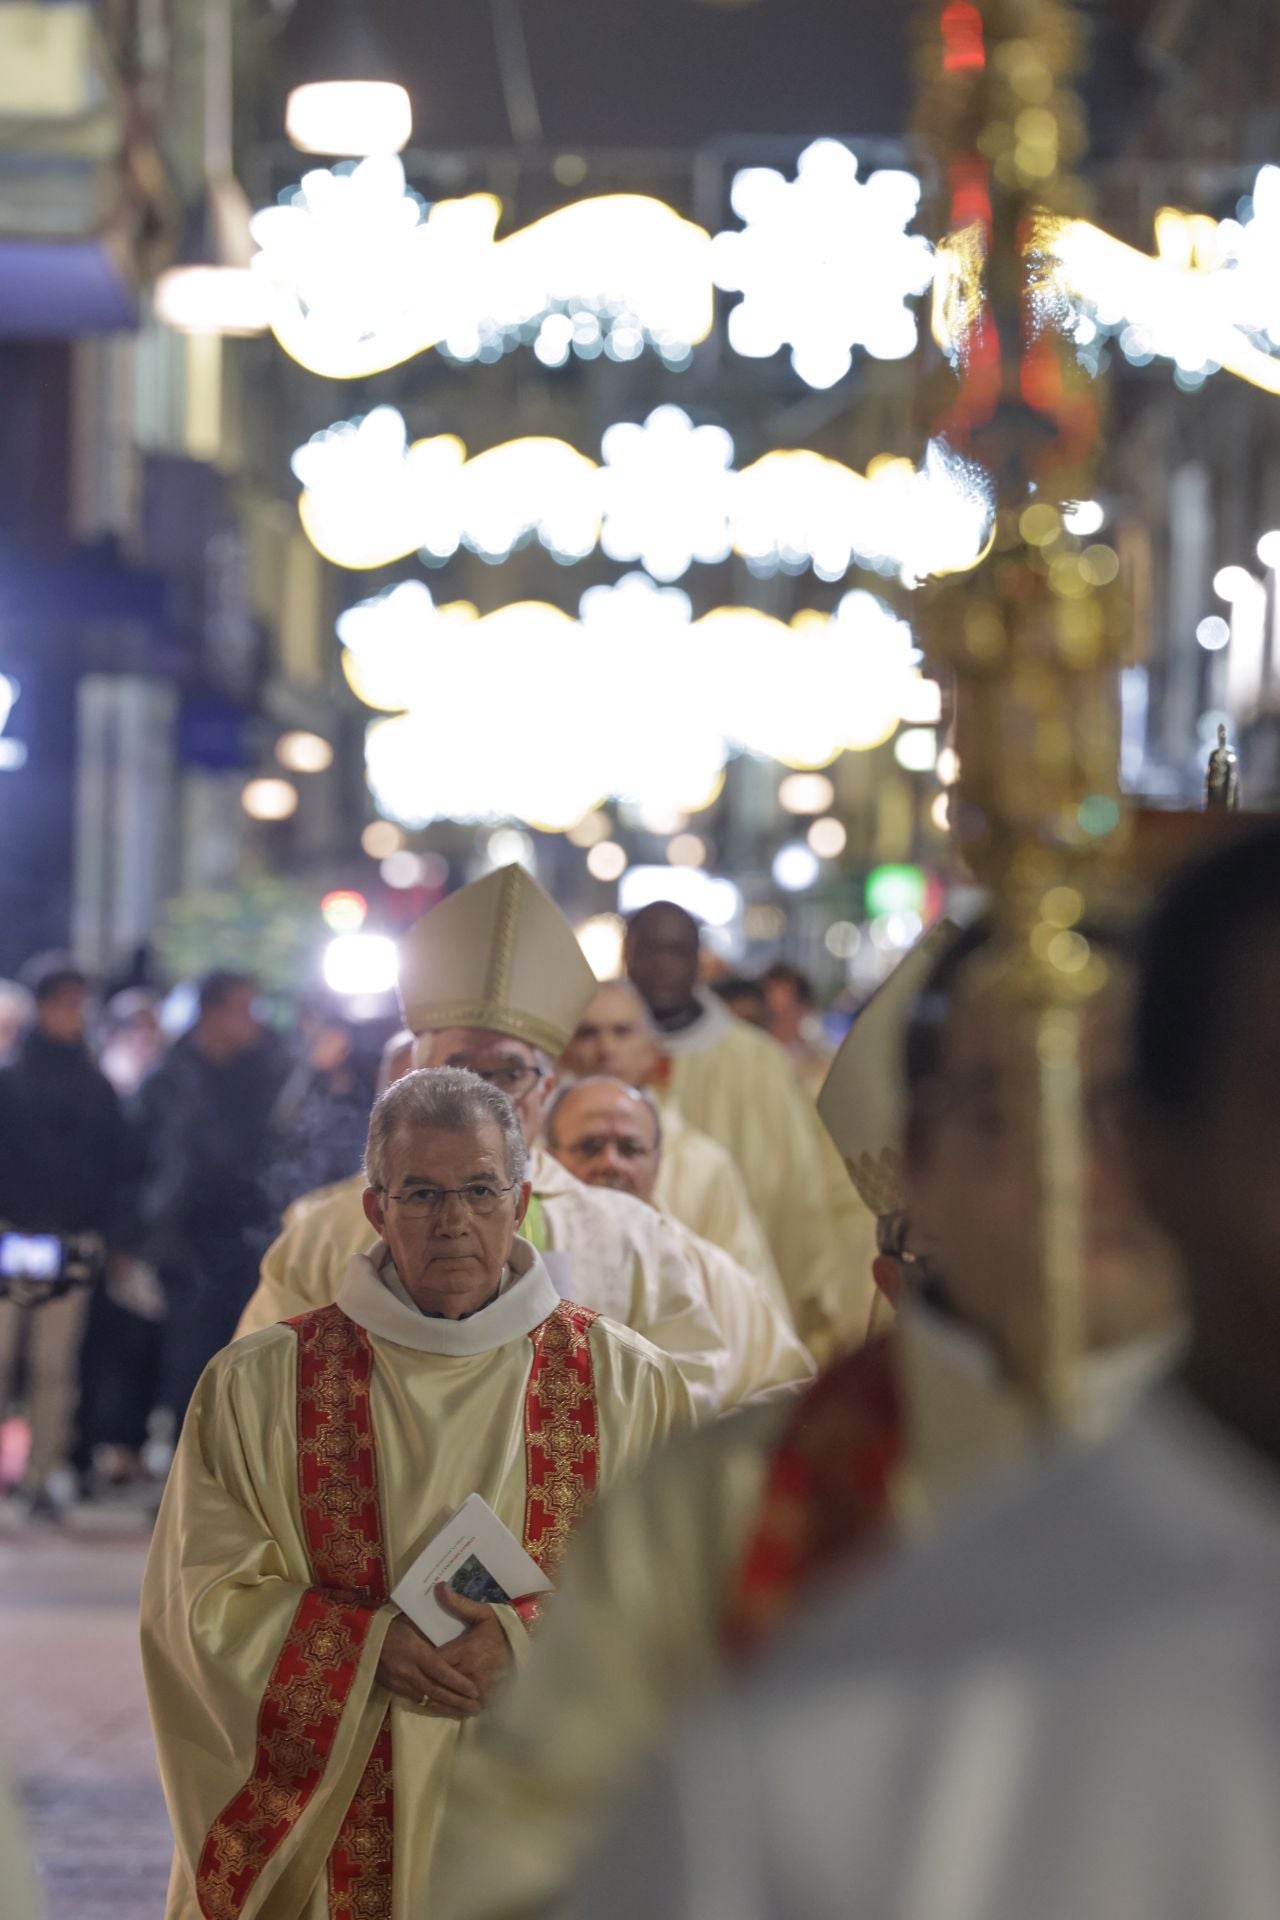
(493, 979)
(610, 1135)
(65, 1169)
(1089, 1663)
(792, 1018)
(307, 1729)
(698, 1180)
(735, 1083)
(759, 1512)
(203, 1120)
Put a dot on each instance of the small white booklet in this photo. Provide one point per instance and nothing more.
(477, 1557)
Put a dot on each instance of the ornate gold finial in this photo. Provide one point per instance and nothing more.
(1037, 634)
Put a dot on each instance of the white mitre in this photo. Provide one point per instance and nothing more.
(498, 954)
(863, 1100)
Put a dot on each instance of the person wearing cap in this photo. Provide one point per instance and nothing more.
(736, 1083)
(758, 1510)
(307, 1728)
(698, 1180)
(610, 1135)
(493, 979)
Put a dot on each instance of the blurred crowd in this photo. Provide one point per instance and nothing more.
(176, 1132)
(175, 1149)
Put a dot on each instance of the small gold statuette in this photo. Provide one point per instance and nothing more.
(1222, 776)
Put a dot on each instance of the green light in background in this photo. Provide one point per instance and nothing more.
(895, 890)
(1098, 816)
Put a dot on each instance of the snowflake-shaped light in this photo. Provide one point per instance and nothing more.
(824, 263)
(666, 489)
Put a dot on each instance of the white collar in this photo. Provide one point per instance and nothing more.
(711, 1026)
(526, 1298)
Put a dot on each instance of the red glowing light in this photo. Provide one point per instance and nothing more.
(963, 45)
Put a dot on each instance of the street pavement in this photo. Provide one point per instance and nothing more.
(73, 1716)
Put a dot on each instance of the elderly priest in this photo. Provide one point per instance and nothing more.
(307, 1730)
(494, 979)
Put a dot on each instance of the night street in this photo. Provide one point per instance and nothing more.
(73, 1719)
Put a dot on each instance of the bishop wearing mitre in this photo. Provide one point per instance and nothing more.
(493, 979)
(307, 1729)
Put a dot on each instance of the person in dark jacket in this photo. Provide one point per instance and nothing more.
(64, 1169)
(204, 1120)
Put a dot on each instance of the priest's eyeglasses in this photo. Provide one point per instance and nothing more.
(478, 1196)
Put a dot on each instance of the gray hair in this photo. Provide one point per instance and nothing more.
(450, 1099)
(640, 1094)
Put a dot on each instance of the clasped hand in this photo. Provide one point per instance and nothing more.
(452, 1682)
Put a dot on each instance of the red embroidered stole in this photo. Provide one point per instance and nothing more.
(311, 1681)
(827, 1497)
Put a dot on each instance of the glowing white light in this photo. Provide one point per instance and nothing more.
(665, 493)
(843, 939)
(1234, 583)
(792, 508)
(607, 861)
(269, 799)
(209, 299)
(666, 756)
(1269, 550)
(687, 850)
(921, 704)
(715, 901)
(795, 867)
(586, 725)
(355, 117)
(380, 838)
(370, 498)
(402, 870)
(304, 752)
(1084, 516)
(660, 819)
(948, 768)
(1213, 632)
(917, 750)
(363, 276)
(863, 658)
(1208, 298)
(601, 939)
(13, 753)
(806, 793)
(590, 830)
(824, 263)
(940, 811)
(828, 838)
(508, 847)
(356, 964)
